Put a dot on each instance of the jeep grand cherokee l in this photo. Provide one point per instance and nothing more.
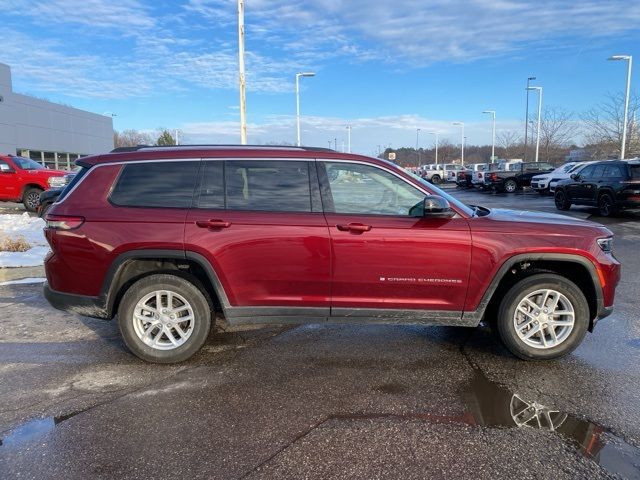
(163, 238)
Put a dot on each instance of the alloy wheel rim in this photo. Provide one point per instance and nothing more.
(544, 319)
(510, 187)
(560, 199)
(32, 200)
(605, 205)
(163, 320)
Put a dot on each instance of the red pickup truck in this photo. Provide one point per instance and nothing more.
(23, 180)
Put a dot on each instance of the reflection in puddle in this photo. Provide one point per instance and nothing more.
(32, 430)
(490, 404)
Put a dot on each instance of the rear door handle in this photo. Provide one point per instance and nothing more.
(214, 223)
(354, 227)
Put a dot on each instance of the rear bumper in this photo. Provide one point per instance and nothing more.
(80, 304)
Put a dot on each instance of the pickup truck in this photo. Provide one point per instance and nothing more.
(464, 178)
(23, 179)
(516, 177)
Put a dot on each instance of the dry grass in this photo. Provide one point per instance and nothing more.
(14, 244)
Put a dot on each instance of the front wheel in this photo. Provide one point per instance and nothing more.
(561, 200)
(436, 179)
(164, 318)
(31, 199)
(543, 316)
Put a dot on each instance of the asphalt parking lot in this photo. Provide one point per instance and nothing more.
(322, 401)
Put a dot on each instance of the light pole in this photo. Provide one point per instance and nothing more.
(241, 79)
(629, 60)
(493, 134)
(349, 138)
(461, 141)
(436, 134)
(539, 89)
(417, 144)
(526, 119)
(298, 75)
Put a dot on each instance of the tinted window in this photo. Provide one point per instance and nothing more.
(211, 185)
(613, 171)
(357, 188)
(281, 186)
(27, 163)
(635, 171)
(587, 171)
(156, 184)
(598, 171)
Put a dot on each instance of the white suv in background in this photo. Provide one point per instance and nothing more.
(540, 183)
(556, 178)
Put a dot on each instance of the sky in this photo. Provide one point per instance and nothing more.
(386, 68)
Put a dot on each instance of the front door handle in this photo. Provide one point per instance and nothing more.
(214, 223)
(354, 227)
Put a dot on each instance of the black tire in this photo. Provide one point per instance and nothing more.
(561, 200)
(31, 198)
(606, 205)
(190, 292)
(525, 287)
(436, 180)
(510, 186)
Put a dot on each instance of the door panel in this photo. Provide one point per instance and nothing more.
(383, 258)
(262, 258)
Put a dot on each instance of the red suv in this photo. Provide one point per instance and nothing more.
(165, 237)
(23, 180)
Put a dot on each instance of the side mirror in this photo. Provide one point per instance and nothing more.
(575, 176)
(434, 206)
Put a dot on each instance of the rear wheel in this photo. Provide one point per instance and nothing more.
(436, 179)
(543, 316)
(561, 200)
(31, 198)
(606, 205)
(164, 318)
(510, 186)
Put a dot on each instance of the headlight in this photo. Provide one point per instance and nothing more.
(57, 182)
(606, 244)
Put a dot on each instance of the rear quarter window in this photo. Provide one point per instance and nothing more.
(156, 184)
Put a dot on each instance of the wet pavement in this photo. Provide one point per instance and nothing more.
(322, 401)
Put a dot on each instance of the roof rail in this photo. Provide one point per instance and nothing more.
(219, 146)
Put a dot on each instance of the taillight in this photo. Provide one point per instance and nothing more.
(63, 222)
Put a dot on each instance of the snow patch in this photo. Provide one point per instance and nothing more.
(24, 280)
(31, 229)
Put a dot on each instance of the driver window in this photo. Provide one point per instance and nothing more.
(357, 188)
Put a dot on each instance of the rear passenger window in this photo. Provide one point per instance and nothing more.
(598, 171)
(280, 186)
(156, 184)
(613, 171)
(211, 185)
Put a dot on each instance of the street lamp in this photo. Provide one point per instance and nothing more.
(526, 119)
(436, 134)
(417, 143)
(349, 138)
(629, 60)
(539, 89)
(461, 141)
(298, 75)
(241, 76)
(493, 134)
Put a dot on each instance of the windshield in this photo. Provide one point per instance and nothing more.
(74, 181)
(443, 194)
(27, 163)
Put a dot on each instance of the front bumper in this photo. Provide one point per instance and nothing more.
(80, 304)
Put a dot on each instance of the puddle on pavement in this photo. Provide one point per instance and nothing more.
(490, 404)
(33, 430)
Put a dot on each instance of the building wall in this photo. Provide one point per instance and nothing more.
(40, 129)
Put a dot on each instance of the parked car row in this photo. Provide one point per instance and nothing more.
(609, 185)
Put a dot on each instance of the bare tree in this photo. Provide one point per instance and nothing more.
(557, 131)
(131, 138)
(509, 140)
(603, 126)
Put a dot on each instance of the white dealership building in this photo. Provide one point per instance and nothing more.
(50, 133)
